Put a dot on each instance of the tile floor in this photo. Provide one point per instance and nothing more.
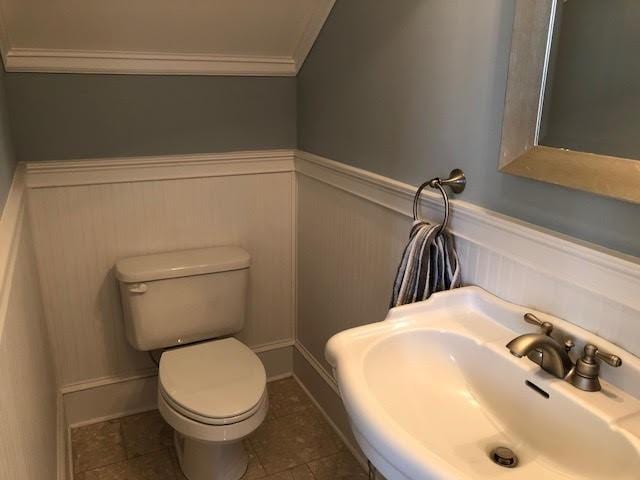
(294, 443)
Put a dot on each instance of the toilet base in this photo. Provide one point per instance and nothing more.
(210, 460)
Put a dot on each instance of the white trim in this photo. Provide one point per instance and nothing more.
(11, 219)
(311, 32)
(282, 376)
(59, 173)
(138, 388)
(113, 416)
(153, 371)
(598, 270)
(268, 347)
(356, 452)
(135, 411)
(4, 37)
(45, 60)
(602, 271)
(144, 63)
(105, 381)
(61, 443)
(294, 256)
(311, 360)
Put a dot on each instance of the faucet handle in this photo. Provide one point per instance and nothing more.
(591, 351)
(585, 375)
(569, 344)
(546, 327)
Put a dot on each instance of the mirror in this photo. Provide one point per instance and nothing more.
(572, 109)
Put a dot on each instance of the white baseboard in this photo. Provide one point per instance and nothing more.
(113, 397)
(315, 364)
(322, 390)
(62, 445)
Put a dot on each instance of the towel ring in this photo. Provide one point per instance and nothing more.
(456, 182)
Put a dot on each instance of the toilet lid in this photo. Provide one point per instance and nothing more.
(218, 380)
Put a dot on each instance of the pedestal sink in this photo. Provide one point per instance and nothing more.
(432, 391)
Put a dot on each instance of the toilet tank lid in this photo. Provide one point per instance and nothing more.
(181, 263)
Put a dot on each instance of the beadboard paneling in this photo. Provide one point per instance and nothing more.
(28, 395)
(80, 231)
(347, 253)
(352, 226)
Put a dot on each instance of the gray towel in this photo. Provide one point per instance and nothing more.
(429, 264)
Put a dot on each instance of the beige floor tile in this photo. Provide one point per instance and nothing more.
(96, 446)
(154, 466)
(294, 440)
(294, 443)
(145, 433)
(176, 465)
(255, 469)
(337, 467)
(287, 397)
(301, 472)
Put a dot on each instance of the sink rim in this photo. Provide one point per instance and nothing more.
(376, 425)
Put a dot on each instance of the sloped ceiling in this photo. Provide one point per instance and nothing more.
(199, 37)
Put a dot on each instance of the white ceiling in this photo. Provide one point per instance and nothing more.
(210, 37)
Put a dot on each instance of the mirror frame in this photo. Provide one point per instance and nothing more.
(520, 153)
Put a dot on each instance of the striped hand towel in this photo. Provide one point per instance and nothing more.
(429, 264)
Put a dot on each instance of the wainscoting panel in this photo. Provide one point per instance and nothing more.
(30, 447)
(81, 230)
(353, 224)
(348, 249)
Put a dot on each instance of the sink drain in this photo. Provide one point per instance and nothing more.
(504, 457)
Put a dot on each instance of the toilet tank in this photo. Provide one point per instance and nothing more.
(183, 296)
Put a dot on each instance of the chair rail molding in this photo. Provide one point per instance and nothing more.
(86, 214)
(600, 270)
(498, 251)
(62, 173)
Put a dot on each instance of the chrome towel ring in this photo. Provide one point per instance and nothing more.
(456, 182)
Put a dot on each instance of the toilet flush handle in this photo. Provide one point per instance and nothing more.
(138, 288)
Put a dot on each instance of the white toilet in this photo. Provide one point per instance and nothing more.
(213, 393)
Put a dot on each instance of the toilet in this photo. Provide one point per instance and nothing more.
(211, 387)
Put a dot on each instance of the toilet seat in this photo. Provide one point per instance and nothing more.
(212, 433)
(220, 382)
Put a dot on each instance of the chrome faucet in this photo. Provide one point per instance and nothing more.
(554, 358)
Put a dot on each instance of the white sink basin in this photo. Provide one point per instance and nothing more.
(432, 390)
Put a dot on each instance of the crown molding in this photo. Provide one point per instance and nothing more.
(311, 32)
(44, 60)
(140, 63)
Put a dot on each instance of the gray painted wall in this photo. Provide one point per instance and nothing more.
(7, 158)
(410, 89)
(62, 116)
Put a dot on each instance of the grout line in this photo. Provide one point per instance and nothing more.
(314, 406)
(354, 451)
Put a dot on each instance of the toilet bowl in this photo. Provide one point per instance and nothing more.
(211, 387)
(213, 394)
